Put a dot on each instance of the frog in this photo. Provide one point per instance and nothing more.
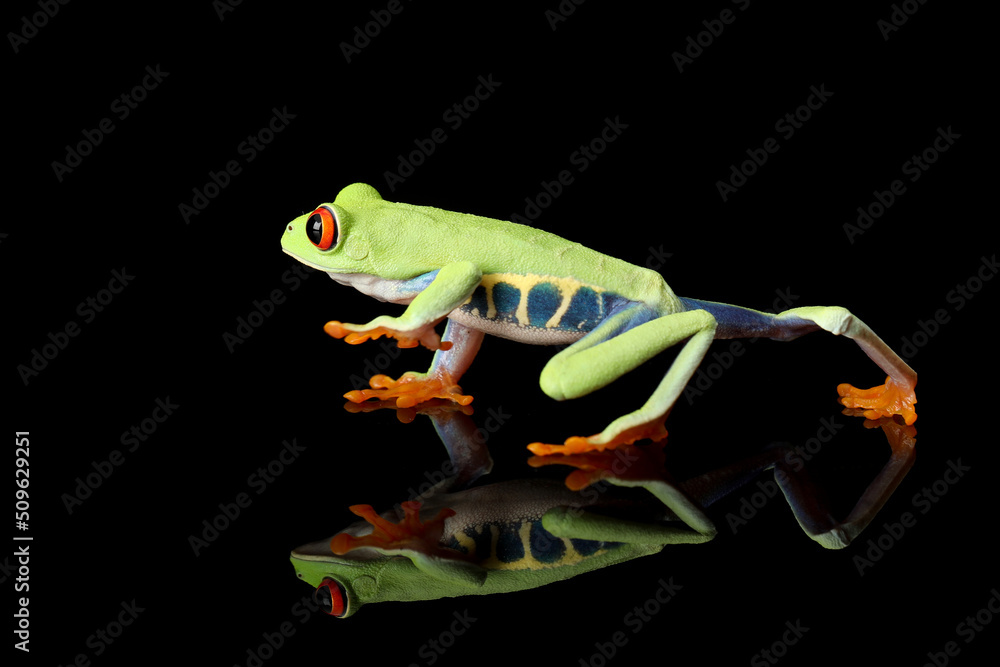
(465, 537)
(496, 539)
(488, 276)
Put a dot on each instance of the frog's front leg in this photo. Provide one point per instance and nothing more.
(616, 347)
(459, 347)
(415, 539)
(450, 287)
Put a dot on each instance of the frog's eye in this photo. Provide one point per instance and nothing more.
(321, 228)
(332, 597)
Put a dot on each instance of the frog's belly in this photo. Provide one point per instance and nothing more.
(540, 310)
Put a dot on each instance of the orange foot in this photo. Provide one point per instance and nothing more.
(410, 389)
(410, 533)
(576, 444)
(435, 406)
(428, 337)
(626, 462)
(884, 400)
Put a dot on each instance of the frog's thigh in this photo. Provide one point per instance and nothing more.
(603, 356)
(575, 523)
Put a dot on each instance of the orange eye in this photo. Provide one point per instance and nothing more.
(321, 228)
(331, 597)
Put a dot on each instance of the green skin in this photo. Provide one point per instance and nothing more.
(411, 573)
(439, 263)
(391, 251)
(424, 567)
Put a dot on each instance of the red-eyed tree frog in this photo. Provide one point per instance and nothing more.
(524, 533)
(525, 284)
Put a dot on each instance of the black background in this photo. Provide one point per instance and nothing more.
(650, 197)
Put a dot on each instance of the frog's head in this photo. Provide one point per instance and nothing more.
(343, 583)
(337, 237)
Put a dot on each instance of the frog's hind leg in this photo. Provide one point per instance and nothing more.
(895, 397)
(683, 502)
(618, 345)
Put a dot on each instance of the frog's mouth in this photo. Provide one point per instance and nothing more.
(305, 261)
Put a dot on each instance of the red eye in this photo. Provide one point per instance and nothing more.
(332, 597)
(321, 228)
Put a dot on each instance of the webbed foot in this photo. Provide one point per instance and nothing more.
(355, 334)
(576, 444)
(410, 389)
(432, 408)
(625, 462)
(410, 534)
(885, 400)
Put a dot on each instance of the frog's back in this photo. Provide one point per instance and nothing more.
(538, 287)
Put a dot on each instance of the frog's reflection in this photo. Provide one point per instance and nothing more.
(468, 537)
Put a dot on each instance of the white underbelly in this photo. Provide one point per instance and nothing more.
(514, 331)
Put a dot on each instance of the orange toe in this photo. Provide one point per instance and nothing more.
(885, 400)
(410, 533)
(428, 339)
(624, 462)
(576, 444)
(410, 389)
